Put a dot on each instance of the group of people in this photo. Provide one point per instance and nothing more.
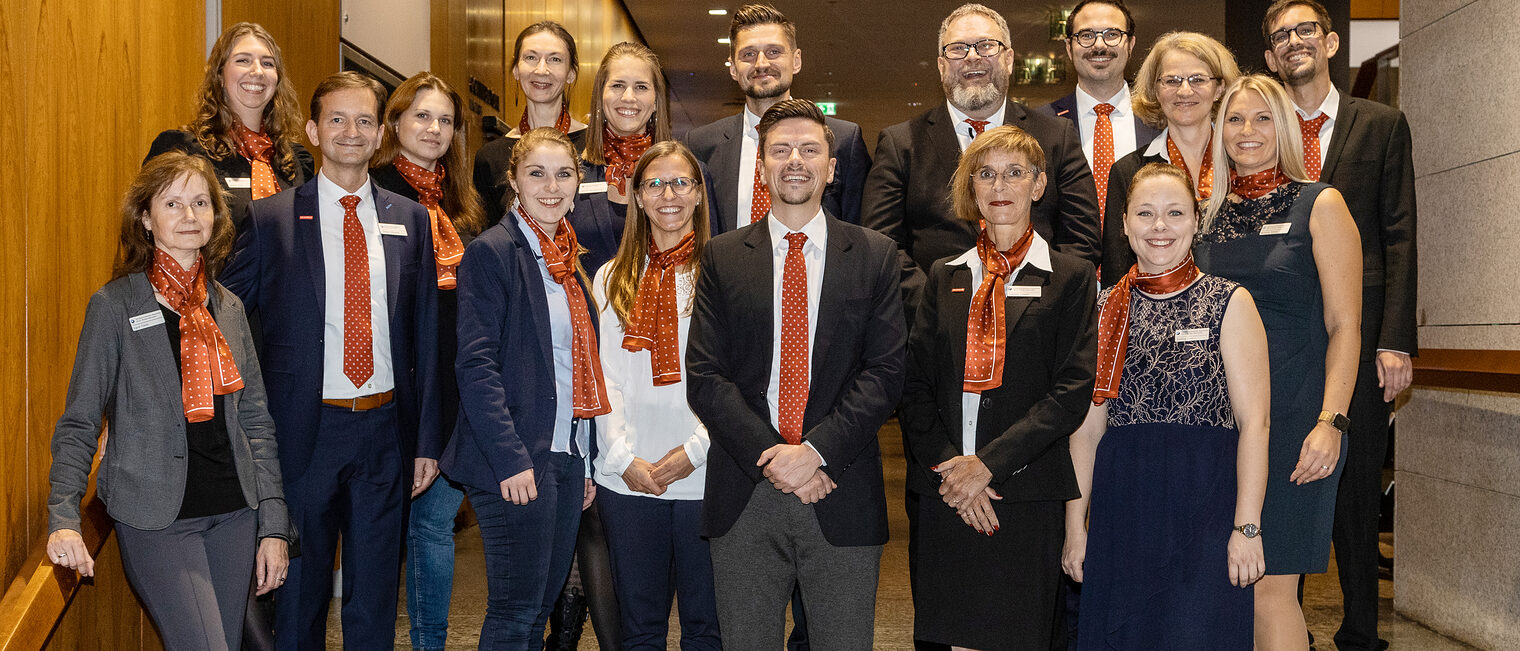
(1086, 318)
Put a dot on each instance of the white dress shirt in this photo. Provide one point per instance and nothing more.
(1121, 118)
(817, 232)
(971, 403)
(335, 384)
(749, 148)
(1158, 145)
(963, 132)
(561, 335)
(1329, 107)
(646, 421)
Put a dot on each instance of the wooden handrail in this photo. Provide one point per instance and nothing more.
(40, 594)
(1471, 369)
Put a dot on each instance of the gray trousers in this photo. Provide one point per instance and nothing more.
(194, 577)
(775, 544)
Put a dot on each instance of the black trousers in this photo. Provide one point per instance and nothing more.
(1355, 534)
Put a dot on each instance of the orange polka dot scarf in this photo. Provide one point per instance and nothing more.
(1205, 176)
(560, 252)
(987, 328)
(621, 153)
(206, 367)
(1113, 321)
(654, 323)
(1255, 186)
(448, 249)
(259, 150)
(561, 124)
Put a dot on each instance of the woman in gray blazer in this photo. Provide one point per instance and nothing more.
(190, 473)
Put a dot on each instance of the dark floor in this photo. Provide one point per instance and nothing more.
(894, 604)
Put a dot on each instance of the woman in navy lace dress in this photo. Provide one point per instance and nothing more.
(1172, 458)
(1292, 243)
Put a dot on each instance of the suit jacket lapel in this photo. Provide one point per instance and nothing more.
(307, 233)
(527, 266)
(386, 213)
(726, 166)
(1345, 121)
(838, 271)
(757, 242)
(1013, 308)
(164, 372)
(945, 147)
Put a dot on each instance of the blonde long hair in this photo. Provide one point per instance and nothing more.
(1290, 140)
(627, 267)
(214, 119)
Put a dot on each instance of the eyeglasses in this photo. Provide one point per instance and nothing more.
(987, 177)
(1111, 37)
(986, 47)
(1305, 30)
(655, 188)
(1174, 82)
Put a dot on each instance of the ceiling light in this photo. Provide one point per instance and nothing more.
(717, 12)
(723, 41)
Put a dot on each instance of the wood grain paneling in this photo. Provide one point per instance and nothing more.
(1374, 9)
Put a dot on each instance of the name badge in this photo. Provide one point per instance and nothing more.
(1276, 229)
(239, 183)
(595, 187)
(1022, 291)
(146, 320)
(1192, 334)
(392, 229)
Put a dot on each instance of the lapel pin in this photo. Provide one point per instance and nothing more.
(306, 217)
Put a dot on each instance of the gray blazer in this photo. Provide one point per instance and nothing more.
(128, 377)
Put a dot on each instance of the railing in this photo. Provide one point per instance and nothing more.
(1475, 370)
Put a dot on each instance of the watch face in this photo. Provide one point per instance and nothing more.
(1250, 530)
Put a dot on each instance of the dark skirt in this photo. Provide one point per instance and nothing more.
(988, 592)
(1157, 572)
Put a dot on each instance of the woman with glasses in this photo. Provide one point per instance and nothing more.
(1177, 90)
(1000, 372)
(1292, 243)
(651, 448)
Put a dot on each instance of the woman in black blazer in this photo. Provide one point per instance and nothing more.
(190, 474)
(1000, 373)
(422, 158)
(247, 120)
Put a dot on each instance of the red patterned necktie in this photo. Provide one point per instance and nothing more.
(794, 341)
(977, 125)
(358, 353)
(1312, 159)
(1103, 152)
(760, 196)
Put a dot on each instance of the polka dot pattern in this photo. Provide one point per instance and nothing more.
(760, 197)
(448, 249)
(358, 336)
(206, 367)
(1113, 320)
(986, 326)
(588, 387)
(561, 124)
(622, 153)
(258, 148)
(977, 125)
(1103, 152)
(1312, 156)
(794, 340)
(654, 323)
(1205, 176)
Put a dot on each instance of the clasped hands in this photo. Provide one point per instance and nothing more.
(797, 470)
(654, 478)
(964, 487)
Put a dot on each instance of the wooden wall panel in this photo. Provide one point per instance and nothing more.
(105, 614)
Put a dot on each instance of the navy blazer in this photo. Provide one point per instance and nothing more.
(277, 270)
(718, 145)
(505, 366)
(1066, 107)
(856, 374)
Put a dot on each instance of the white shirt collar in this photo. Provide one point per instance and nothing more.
(816, 230)
(958, 119)
(329, 192)
(750, 122)
(1038, 255)
(1330, 106)
(1120, 101)
(1158, 145)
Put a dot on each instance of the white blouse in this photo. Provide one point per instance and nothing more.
(646, 421)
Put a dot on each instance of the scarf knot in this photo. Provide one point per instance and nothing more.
(621, 154)
(206, 365)
(448, 249)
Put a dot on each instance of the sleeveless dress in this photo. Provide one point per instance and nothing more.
(1163, 493)
(1264, 244)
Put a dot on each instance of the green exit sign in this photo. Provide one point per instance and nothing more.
(828, 108)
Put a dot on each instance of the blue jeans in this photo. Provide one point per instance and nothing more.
(528, 550)
(430, 563)
(658, 553)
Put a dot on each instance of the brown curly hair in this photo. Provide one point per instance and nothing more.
(135, 248)
(214, 119)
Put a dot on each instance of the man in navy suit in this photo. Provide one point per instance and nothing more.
(763, 57)
(794, 369)
(1100, 36)
(341, 274)
(1363, 149)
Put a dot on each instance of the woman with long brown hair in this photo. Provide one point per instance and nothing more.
(166, 358)
(247, 120)
(422, 157)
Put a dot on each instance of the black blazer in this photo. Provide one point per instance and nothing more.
(856, 374)
(907, 193)
(1066, 107)
(232, 167)
(1368, 160)
(719, 144)
(1047, 385)
(1118, 257)
(491, 164)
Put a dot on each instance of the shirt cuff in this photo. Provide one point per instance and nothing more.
(821, 461)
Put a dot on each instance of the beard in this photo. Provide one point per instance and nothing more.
(756, 90)
(976, 99)
(1302, 75)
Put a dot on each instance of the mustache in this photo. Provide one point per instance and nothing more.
(1101, 52)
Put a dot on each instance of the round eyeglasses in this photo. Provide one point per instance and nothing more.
(655, 188)
(1111, 37)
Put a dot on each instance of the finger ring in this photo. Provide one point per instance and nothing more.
(62, 555)
(1324, 467)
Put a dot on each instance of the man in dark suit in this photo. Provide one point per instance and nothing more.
(1363, 149)
(907, 192)
(763, 58)
(341, 274)
(1100, 36)
(794, 371)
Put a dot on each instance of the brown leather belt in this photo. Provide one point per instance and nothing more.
(361, 403)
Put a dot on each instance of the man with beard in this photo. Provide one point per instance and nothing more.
(763, 57)
(794, 371)
(1100, 36)
(906, 195)
(1363, 149)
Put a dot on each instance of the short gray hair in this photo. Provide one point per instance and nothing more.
(974, 8)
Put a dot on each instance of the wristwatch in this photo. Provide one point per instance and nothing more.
(1336, 420)
(1249, 530)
